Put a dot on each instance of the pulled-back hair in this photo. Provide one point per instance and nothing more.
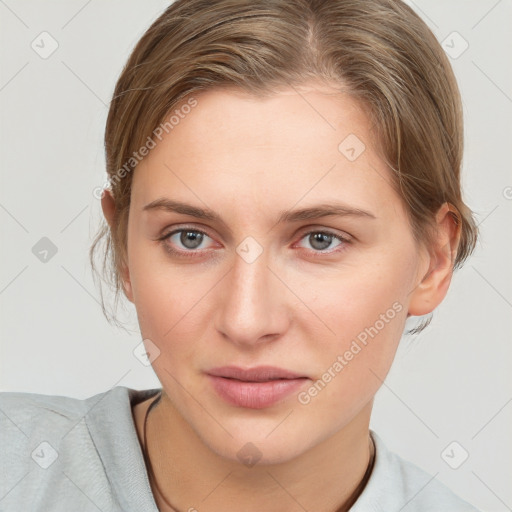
(380, 52)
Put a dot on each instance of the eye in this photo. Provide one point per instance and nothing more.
(319, 241)
(187, 240)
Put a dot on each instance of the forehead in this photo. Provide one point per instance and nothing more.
(297, 142)
(303, 118)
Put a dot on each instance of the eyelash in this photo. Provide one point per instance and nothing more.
(194, 253)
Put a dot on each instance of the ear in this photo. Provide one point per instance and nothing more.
(108, 205)
(433, 287)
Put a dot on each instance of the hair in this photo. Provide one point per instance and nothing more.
(380, 52)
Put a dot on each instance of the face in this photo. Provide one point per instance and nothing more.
(265, 233)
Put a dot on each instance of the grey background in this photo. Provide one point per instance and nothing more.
(450, 383)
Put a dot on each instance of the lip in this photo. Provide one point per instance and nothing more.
(256, 374)
(254, 388)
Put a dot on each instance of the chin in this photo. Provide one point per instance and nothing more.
(260, 452)
(253, 445)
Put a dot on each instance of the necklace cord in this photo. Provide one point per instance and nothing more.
(345, 508)
(147, 460)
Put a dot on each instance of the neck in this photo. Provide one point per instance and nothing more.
(190, 476)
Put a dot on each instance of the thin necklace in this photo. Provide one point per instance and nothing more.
(345, 508)
(146, 456)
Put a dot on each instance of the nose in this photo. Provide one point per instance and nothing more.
(252, 305)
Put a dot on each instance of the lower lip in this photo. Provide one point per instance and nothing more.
(255, 395)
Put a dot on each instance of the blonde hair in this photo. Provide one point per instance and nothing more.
(378, 51)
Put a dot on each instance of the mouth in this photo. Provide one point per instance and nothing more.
(255, 388)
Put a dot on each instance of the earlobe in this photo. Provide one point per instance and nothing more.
(127, 284)
(434, 284)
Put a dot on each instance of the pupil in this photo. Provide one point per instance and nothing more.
(191, 239)
(320, 240)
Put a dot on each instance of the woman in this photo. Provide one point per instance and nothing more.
(284, 192)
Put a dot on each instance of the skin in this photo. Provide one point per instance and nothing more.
(248, 159)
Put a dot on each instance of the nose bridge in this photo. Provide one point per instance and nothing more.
(251, 307)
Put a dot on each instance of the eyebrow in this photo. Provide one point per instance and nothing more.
(312, 212)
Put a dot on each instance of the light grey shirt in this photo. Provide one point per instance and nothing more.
(64, 454)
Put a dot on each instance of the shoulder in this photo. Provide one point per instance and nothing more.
(25, 415)
(397, 484)
(24, 405)
(62, 446)
(26, 418)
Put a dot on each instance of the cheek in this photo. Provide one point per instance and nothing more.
(165, 308)
(354, 361)
(361, 296)
(169, 304)
(365, 309)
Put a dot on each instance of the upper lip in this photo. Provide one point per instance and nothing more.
(256, 374)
